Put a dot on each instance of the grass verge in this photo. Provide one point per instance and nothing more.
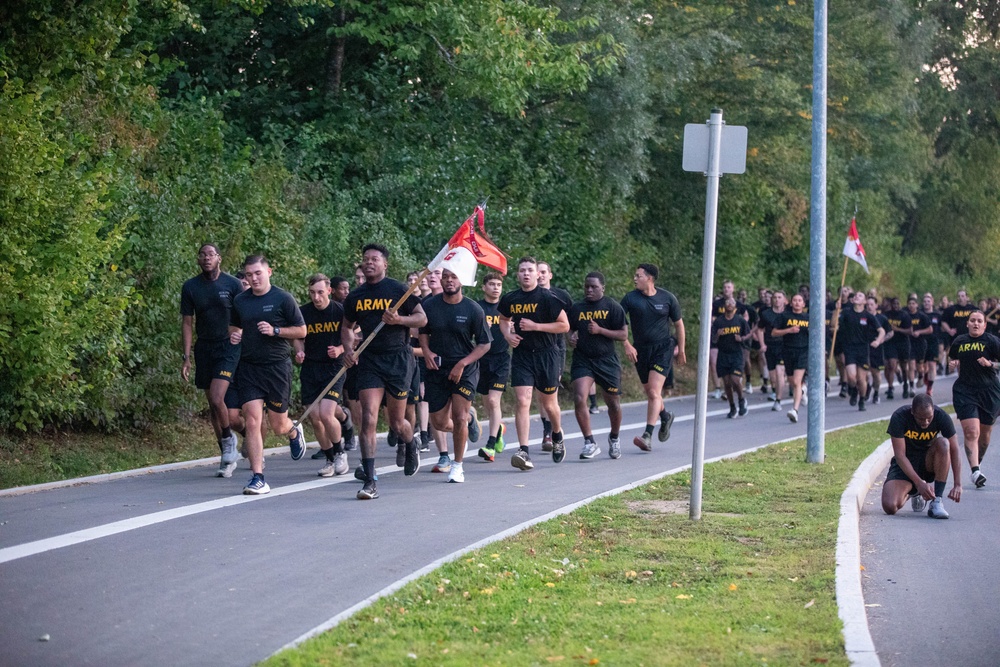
(630, 580)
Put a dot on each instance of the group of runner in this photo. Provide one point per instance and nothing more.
(424, 362)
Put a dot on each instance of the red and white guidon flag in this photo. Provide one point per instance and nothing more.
(467, 249)
(853, 248)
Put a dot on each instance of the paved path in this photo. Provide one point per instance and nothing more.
(177, 567)
(930, 586)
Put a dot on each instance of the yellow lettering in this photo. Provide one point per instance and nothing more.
(972, 347)
(523, 308)
(920, 435)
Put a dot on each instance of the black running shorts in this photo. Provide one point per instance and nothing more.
(774, 355)
(982, 403)
(536, 368)
(439, 389)
(494, 373)
(419, 371)
(919, 463)
(898, 347)
(606, 372)
(314, 378)
(931, 352)
(351, 384)
(729, 363)
(214, 360)
(270, 382)
(918, 348)
(391, 370)
(876, 358)
(658, 357)
(796, 359)
(233, 394)
(858, 354)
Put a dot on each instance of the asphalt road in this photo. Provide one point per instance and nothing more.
(177, 567)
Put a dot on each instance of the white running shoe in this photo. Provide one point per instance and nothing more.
(937, 510)
(793, 416)
(456, 474)
(749, 390)
(717, 394)
(327, 470)
(225, 469)
(231, 449)
(340, 466)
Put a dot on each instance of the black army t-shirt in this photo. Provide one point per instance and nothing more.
(322, 330)
(608, 314)
(365, 306)
(210, 301)
(538, 305)
(650, 316)
(455, 329)
(278, 308)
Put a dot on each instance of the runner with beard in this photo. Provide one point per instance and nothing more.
(876, 357)
(934, 347)
(545, 281)
(386, 366)
(649, 310)
(729, 330)
(319, 354)
(976, 392)
(453, 340)
(532, 320)
(897, 352)
(494, 367)
(595, 324)
(771, 347)
(921, 330)
(206, 302)
(861, 333)
(262, 322)
(794, 330)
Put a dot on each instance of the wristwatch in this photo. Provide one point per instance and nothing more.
(277, 330)
(184, 357)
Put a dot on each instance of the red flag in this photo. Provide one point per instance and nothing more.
(466, 245)
(853, 248)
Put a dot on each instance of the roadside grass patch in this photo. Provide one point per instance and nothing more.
(630, 580)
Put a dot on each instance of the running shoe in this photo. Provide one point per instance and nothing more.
(917, 502)
(666, 421)
(243, 450)
(590, 450)
(979, 479)
(411, 463)
(297, 444)
(732, 411)
(558, 451)
(889, 394)
(340, 466)
(743, 407)
(457, 474)
(327, 470)
(320, 454)
(391, 438)
(499, 444)
(643, 442)
(487, 453)
(425, 441)
(368, 492)
(614, 447)
(937, 510)
(906, 391)
(861, 405)
(231, 449)
(359, 473)
(521, 460)
(717, 394)
(793, 415)
(474, 431)
(594, 409)
(843, 390)
(776, 405)
(225, 469)
(547, 443)
(443, 464)
(854, 398)
(875, 399)
(401, 456)
(256, 486)
(749, 389)
(350, 442)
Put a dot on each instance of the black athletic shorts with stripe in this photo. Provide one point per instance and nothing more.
(494, 373)
(391, 370)
(658, 357)
(536, 368)
(314, 377)
(214, 360)
(270, 382)
(438, 389)
(606, 371)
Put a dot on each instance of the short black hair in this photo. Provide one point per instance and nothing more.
(922, 401)
(529, 259)
(595, 274)
(209, 245)
(650, 270)
(336, 280)
(255, 259)
(492, 275)
(381, 249)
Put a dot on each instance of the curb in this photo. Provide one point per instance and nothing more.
(858, 645)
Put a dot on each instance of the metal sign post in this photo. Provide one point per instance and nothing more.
(713, 149)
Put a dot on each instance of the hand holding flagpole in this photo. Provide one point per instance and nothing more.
(852, 250)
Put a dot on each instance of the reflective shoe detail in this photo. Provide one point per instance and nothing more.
(297, 444)
(665, 423)
(225, 469)
(443, 464)
(231, 449)
(558, 451)
(643, 442)
(917, 502)
(368, 492)
(340, 466)
(614, 447)
(326, 470)
(499, 444)
(590, 450)
(937, 510)
(487, 453)
(547, 443)
(793, 416)
(256, 486)
(411, 464)
(979, 479)
(521, 460)
(457, 474)
(475, 432)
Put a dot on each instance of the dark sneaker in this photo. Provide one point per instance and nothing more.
(521, 460)
(499, 444)
(391, 438)
(843, 390)
(861, 405)
(425, 441)
(854, 399)
(256, 486)
(475, 432)
(320, 454)
(297, 444)
(665, 423)
(547, 443)
(350, 442)
(875, 399)
(643, 442)
(906, 391)
(359, 474)
(411, 464)
(732, 412)
(487, 453)
(558, 451)
(401, 456)
(368, 492)
(937, 510)
(743, 408)
(889, 395)
(590, 450)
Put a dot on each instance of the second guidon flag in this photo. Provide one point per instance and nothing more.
(853, 248)
(466, 249)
